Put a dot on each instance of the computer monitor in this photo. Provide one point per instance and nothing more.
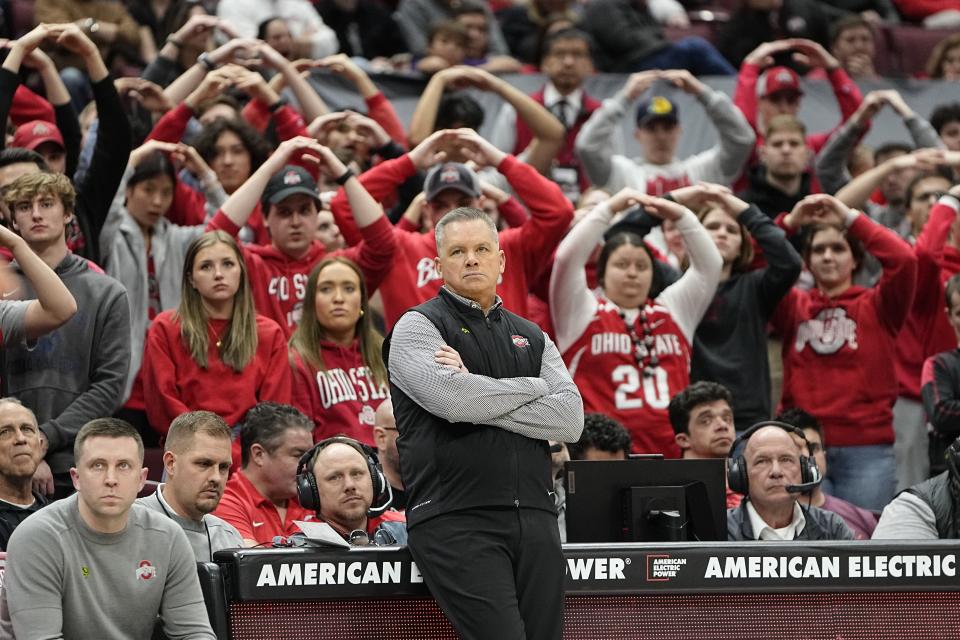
(647, 500)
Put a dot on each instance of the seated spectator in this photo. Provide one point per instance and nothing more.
(279, 271)
(658, 132)
(782, 177)
(96, 343)
(766, 472)
(213, 352)
(343, 483)
(629, 345)
(414, 278)
(196, 460)
(20, 454)
(311, 37)
(860, 521)
(603, 438)
(945, 119)
(702, 419)
(567, 62)
(473, 17)
(339, 376)
(838, 334)
(385, 438)
(629, 39)
(446, 47)
(546, 131)
(260, 499)
(96, 189)
(833, 158)
(852, 44)
(925, 511)
(140, 561)
(418, 17)
(523, 25)
(944, 62)
(106, 22)
(941, 379)
(364, 28)
(778, 92)
(145, 251)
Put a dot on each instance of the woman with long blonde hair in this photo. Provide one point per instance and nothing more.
(213, 352)
(339, 375)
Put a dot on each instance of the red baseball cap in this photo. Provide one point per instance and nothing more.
(777, 80)
(31, 135)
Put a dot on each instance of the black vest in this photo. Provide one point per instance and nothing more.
(447, 466)
(936, 493)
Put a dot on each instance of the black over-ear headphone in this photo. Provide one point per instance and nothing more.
(309, 495)
(737, 477)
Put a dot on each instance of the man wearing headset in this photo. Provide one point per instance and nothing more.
(771, 474)
(345, 485)
(197, 459)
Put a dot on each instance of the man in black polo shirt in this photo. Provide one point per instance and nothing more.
(477, 392)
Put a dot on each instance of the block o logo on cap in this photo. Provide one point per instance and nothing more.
(292, 177)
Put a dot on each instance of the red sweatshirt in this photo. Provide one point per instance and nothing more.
(838, 353)
(527, 248)
(174, 383)
(279, 282)
(342, 399)
(926, 331)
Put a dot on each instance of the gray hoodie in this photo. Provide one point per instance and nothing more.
(77, 372)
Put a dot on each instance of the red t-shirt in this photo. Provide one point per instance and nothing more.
(254, 516)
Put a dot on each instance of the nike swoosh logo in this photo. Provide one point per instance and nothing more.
(257, 524)
(7, 294)
(654, 325)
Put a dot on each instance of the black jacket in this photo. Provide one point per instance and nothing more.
(624, 31)
(446, 466)
(820, 525)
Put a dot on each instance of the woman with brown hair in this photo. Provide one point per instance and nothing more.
(340, 377)
(730, 345)
(213, 352)
(944, 62)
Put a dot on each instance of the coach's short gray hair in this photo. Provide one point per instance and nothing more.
(464, 214)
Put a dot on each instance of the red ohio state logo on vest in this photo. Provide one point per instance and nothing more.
(520, 341)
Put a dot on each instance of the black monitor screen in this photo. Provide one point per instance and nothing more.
(645, 500)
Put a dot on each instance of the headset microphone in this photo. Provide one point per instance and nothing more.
(803, 487)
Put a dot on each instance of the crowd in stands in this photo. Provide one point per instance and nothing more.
(205, 256)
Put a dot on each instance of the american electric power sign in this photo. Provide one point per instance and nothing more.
(761, 567)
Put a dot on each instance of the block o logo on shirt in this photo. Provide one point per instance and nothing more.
(145, 570)
(520, 341)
